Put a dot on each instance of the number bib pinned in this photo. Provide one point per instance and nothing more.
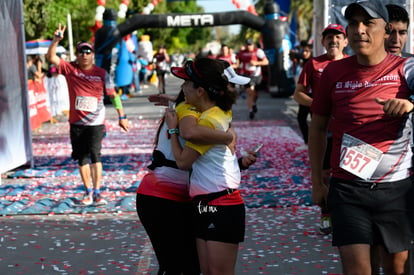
(358, 157)
(86, 103)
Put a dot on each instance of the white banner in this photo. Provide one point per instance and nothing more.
(15, 133)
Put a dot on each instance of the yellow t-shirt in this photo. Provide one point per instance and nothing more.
(217, 168)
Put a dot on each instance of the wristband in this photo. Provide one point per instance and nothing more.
(173, 131)
(122, 117)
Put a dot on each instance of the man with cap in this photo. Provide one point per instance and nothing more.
(365, 101)
(87, 85)
(249, 62)
(334, 41)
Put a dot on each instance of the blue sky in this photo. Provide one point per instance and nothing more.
(219, 6)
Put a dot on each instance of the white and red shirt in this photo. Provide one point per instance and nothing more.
(245, 57)
(231, 58)
(347, 95)
(167, 182)
(86, 93)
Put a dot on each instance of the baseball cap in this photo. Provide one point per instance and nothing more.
(249, 42)
(82, 45)
(334, 28)
(375, 9)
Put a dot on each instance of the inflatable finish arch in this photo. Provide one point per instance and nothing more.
(273, 32)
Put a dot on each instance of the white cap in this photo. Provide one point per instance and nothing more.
(235, 78)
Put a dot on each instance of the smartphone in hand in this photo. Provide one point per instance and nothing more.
(257, 147)
(171, 105)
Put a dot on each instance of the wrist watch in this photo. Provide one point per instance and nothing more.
(173, 131)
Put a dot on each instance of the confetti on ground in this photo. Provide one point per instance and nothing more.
(279, 178)
(278, 241)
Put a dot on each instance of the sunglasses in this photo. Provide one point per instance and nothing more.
(85, 51)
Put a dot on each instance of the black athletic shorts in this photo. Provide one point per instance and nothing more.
(222, 223)
(381, 214)
(254, 81)
(86, 142)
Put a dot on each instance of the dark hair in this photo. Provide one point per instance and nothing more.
(397, 13)
(215, 82)
(304, 43)
(180, 97)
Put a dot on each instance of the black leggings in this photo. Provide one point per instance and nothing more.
(170, 229)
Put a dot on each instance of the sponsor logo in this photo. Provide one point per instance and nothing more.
(192, 20)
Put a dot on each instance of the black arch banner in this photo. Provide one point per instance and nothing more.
(274, 33)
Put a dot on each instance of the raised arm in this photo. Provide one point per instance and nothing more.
(51, 52)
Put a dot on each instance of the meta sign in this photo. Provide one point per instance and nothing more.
(192, 20)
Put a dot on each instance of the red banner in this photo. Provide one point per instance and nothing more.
(38, 104)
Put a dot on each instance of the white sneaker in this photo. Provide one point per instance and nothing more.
(87, 199)
(99, 200)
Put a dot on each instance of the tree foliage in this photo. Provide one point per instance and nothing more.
(41, 18)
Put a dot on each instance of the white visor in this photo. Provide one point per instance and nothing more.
(235, 78)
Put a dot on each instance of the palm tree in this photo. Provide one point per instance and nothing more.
(304, 11)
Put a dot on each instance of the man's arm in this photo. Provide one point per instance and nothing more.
(51, 52)
(317, 147)
(301, 96)
(262, 62)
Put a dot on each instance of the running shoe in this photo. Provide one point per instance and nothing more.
(251, 115)
(326, 225)
(254, 108)
(87, 199)
(99, 200)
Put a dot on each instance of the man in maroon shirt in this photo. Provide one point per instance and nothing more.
(87, 84)
(364, 99)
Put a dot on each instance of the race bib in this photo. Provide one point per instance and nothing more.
(86, 103)
(358, 157)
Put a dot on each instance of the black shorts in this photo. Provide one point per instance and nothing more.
(254, 81)
(222, 223)
(86, 142)
(378, 215)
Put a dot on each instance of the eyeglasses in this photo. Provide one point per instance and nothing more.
(85, 51)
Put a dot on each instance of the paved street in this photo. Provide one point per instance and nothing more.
(278, 240)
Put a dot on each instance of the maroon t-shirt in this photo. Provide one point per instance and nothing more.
(347, 95)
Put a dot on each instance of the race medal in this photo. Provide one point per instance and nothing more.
(86, 103)
(358, 157)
